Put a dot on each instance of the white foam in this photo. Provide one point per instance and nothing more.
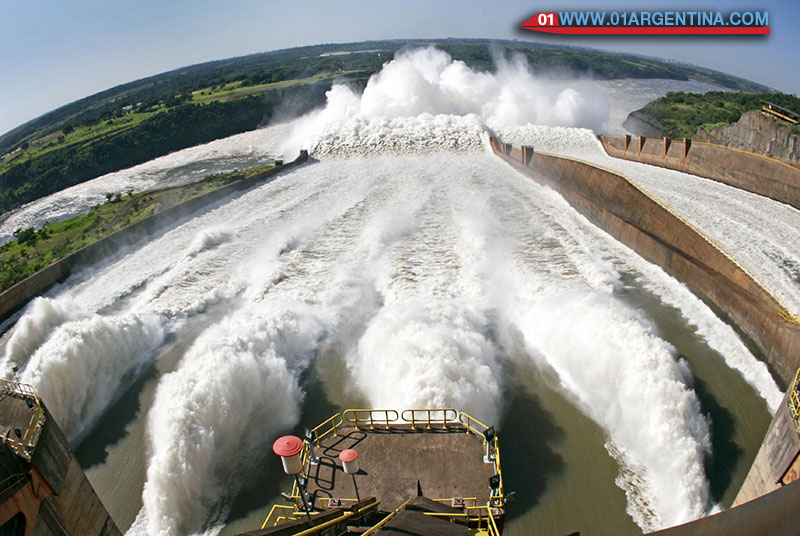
(79, 369)
(629, 382)
(34, 327)
(428, 81)
(428, 355)
(233, 391)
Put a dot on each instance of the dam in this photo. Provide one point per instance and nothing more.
(385, 231)
(406, 265)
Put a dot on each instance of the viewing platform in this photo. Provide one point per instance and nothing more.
(415, 471)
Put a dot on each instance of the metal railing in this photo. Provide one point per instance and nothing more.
(430, 417)
(333, 425)
(475, 517)
(383, 417)
(24, 446)
(275, 517)
(474, 426)
(794, 401)
(386, 519)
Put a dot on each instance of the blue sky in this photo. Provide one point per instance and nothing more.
(56, 51)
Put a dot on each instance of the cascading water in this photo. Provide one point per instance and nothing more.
(428, 267)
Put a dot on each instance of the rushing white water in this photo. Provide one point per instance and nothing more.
(755, 231)
(424, 273)
(80, 367)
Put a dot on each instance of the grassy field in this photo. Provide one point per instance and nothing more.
(238, 89)
(81, 135)
(34, 250)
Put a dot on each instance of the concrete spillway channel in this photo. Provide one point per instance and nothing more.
(616, 204)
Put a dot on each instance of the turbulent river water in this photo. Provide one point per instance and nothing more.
(407, 267)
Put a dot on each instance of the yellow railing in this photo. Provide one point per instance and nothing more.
(476, 427)
(274, 517)
(429, 417)
(25, 445)
(476, 517)
(382, 417)
(470, 422)
(333, 426)
(473, 500)
(386, 519)
(794, 400)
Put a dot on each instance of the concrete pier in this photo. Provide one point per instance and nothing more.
(43, 490)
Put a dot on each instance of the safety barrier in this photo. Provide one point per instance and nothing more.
(274, 517)
(11, 484)
(497, 497)
(386, 519)
(430, 418)
(25, 444)
(333, 424)
(477, 518)
(794, 401)
(384, 417)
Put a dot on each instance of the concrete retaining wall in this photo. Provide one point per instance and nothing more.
(19, 294)
(775, 514)
(616, 205)
(755, 173)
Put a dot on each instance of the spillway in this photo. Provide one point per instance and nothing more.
(405, 281)
(408, 267)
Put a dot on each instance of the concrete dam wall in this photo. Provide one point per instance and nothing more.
(615, 204)
(44, 491)
(753, 172)
(18, 295)
(612, 202)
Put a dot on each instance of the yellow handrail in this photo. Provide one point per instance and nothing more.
(273, 512)
(386, 519)
(468, 421)
(323, 526)
(473, 500)
(794, 400)
(336, 421)
(498, 471)
(448, 415)
(25, 445)
(484, 517)
(380, 416)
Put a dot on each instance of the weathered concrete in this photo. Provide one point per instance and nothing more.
(753, 172)
(775, 514)
(51, 491)
(758, 132)
(392, 461)
(618, 206)
(18, 295)
(776, 463)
